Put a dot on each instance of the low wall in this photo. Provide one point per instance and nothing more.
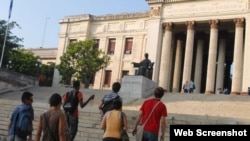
(17, 79)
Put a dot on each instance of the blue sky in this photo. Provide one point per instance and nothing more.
(33, 15)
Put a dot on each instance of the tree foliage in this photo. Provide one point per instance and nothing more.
(23, 61)
(12, 41)
(46, 74)
(81, 61)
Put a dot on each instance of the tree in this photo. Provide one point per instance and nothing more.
(81, 61)
(23, 61)
(12, 41)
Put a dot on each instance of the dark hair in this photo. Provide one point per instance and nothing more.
(159, 92)
(76, 84)
(26, 95)
(117, 104)
(116, 87)
(55, 99)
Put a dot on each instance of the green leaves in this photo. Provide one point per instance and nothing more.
(82, 61)
(24, 62)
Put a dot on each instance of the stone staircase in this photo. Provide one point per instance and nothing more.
(89, 120)
(183, 109)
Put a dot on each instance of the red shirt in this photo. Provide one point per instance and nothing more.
(79, 98)
(153, 123)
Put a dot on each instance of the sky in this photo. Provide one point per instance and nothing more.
(39, 19)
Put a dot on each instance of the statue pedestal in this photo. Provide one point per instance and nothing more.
(136, 87)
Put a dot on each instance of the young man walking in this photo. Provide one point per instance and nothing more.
(77, 98)
(152, 112)
(20, 125)
(106, 102)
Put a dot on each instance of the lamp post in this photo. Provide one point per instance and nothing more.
(38, 65)
(9, 65)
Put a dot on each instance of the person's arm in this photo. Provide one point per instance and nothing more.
(138, 118)
(103, 123)
(9, 125)
(30, 135)
(100, 106)
(163, 127)
(83, 104)
(38, 130)
(125, 120)
(61, 128)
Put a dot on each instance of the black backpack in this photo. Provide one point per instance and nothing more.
(109, 105)
(71, 102)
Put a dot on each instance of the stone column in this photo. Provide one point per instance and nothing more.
(188, 60)
(165, 57)
(246, 65)
(177, 66)
(198, 65)
(238, 57)
(221, 65)
(212, 55)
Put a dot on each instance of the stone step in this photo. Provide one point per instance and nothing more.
(89, 120)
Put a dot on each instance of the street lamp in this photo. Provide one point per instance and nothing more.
(9, 65)
(38, 65)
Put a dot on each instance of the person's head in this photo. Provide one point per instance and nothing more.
(27, 98)
(55, 99)
(76, 84)
(117, 104)
(116, 87)
(146, 55)
(159, 92)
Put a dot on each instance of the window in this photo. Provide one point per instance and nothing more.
(128, 46)
(72, 40)
(107, 79)
(96, 43)
(124, 72)
(111, 46)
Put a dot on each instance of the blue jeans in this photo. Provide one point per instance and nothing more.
(73, 126)
(148, 136)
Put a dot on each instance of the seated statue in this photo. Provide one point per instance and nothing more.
(145, 67)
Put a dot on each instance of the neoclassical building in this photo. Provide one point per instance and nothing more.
(205, 41)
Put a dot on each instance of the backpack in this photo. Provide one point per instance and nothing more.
(109, 105)
(71, 102)
(23, 124)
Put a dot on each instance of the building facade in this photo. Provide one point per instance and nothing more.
(200, 40)
(47, 55)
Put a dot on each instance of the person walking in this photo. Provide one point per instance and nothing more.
(53, 122)
(154, 112)
(20, 125)
(107, 100)
(113, 121)
(76, 98)
(186, 87)
(191, 86)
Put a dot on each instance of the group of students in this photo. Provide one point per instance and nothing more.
(54, 123)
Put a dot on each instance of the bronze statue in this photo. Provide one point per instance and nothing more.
(145, 67)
